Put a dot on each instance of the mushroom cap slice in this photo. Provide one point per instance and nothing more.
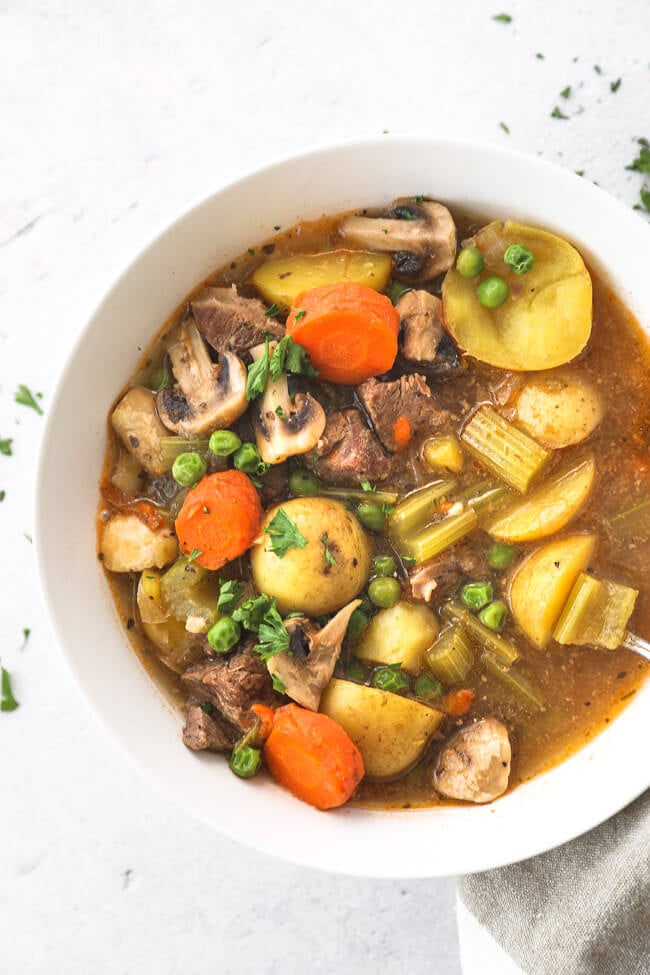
(138, 426)
(475, 764)
(206, 396)
(420, 236)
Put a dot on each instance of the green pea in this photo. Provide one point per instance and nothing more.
(470, 262)
(302, 483)
(223, 443)
(245, 761)
(247, 459)
(492, 292)
(476, 595)
(494, 616)
(501, 556)
(371, 516)
(384, 565)
(427, 688)
(223, 636)
(518, 258)
(390, 678)
(384, 591)
(188, 468)
(356, 670)
(356, 626)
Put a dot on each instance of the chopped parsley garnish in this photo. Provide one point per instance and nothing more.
(329, 558)
(207, 707)
(5, 447)
(7, 700)
(566, 91)
(194, 554)
(557, 113)
(502, 125)
(26, 633)
(615, 85)
(3, 495)
(252, 611)
(280, 412)
(642, 162)
(367, 486)
(25, 397)
(502, 18)
(278, 685)
(288, 356)
(251, 252)
(644, 193)
(598, 69)
(580, 172)
(29, 538)
(258, 373)
(419, 198)
(273, 634)
(273, 311)
(284, 534)
(539, 56)
(300, 314)
(230, 592)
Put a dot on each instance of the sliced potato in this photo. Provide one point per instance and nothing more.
(559, 410)
(542, 584)
(390, 731)
(282, 281)
(544, 323)
(399, 635)
(549, 508)
(443, 454)
(128, 545)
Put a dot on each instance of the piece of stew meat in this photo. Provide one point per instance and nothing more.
(206, 729)
(408, 396)
(349, 452)
(442, 575)
(232, 684)
(424, 341)
(230, 323)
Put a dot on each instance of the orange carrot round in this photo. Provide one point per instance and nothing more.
(220, 518)
(402, 432)
(458, 702)
(313, 757)
(266, 717)
(349, 331)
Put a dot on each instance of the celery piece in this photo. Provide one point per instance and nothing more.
(506, 652)
(358, 494)
(509, 453)
(512, 681)
(441, 535)
(418, 509)
(596, 613)
(171, 447)
(485, 497)
(450, 658)
(633, 522)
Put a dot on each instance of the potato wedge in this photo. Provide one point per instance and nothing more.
(399, 635)
(549, 508)
(541, 586)
(390, 731)
(545, 322)
(559, 410)
(128, 545)
(281, 282)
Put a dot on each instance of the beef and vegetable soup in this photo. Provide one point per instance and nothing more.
(376, 507)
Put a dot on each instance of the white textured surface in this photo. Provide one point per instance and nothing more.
(115, 117)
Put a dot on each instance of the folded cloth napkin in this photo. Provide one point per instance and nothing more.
(581, 909)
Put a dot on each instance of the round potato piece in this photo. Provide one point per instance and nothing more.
(559, 410)
(128, 545)
(304, 579)
(282, 281)
(390, 731)
(544, 323)
(399, 635)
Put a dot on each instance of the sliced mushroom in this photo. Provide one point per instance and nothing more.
(306, 670)
(420, 236)
(207, 397)
(475, 764)
(285, 427)
(138, 426)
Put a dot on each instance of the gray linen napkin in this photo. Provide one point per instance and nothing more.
(581, 909)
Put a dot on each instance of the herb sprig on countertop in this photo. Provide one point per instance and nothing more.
(25, 397)
(7, 700)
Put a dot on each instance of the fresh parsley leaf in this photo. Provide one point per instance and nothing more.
(7, 700)
(288, 356)
(207, 707)
(566, 91)
(557, 113)
(251, 612)
(194, 554)
(367, 486)
(273, 634)
(279, 411)
(230, 592)
(502, 125)
(3, 495)
(645, 198)
(580, 172)
(419, 198)
(642, 162)
(329, 558)
(539, 56)
(503, 18)
(278, 685)
(615, 85)
(26, 632)
(251, 252)
(25, 397)
(258, 373)
(300, 314)
(598, 69)
(5, 447)
(29, 538)
(273, 311)
(284, 534)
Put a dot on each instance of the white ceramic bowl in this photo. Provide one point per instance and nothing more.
(549, 810)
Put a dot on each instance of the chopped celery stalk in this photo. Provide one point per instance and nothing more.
(485, 497)
(512, 681)
(358, 494)
(171, 447)
(596, 613)
(450, 658)
(485, 637)
(441, 535)
(418, 508)
(506, 451)
(634, 522)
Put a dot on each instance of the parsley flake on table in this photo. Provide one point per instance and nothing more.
(598, 69)
(329, 558)
(502, 18)
(615, 85)
(566, 91)
(7, 700)
(3, 495)
(25, 397)
(558, 113)
(273, 634)
(26, 633)
(642, 162)
(539, 56)
(284, 534)
(230, 592)
(644, 193)
(5, 447)
(502, 125)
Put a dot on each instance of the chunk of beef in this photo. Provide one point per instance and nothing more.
(206, 729)
(475, 764)
(233, 684)
(230, 323)
(407, 396)
(424, 340)
(442, 575)
(348, 451)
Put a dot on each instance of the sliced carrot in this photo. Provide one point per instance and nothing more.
(266, 717)
(402, 432)
(457, 702)
(313, 757)
(349, 331)
(220, 518)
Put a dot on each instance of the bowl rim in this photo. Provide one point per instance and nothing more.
(555, 835)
